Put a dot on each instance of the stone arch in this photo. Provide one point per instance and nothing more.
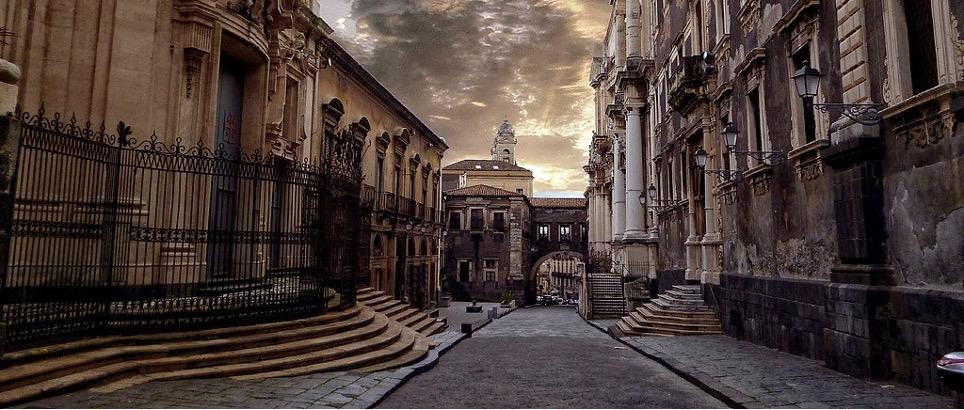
(535, 266)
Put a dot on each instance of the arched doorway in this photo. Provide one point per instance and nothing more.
(557, 276)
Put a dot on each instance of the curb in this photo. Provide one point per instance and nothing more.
(429, 362)
(728, 396)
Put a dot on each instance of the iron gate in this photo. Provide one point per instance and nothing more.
(110, 232)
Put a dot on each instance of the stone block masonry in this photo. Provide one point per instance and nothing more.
(876, 332)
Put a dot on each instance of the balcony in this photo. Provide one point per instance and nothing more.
(406, 206)
(420, 211)
(368, 196)
(430, 214)
(387, 203)
(687, 81)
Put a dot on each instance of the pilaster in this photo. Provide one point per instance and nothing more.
(635, 214)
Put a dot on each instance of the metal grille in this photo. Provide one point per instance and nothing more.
(112, 233)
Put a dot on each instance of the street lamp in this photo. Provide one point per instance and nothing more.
(659, 205)
(724, 174)
(730, 135)
(807, 81)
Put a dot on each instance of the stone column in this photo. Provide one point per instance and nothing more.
(633, 28)
(693, 240)
(620, 33)
(635, 226)
(619, 193)
(712, 240)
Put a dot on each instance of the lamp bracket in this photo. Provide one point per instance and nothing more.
(768, 156)
(725, 174)
(866, 114)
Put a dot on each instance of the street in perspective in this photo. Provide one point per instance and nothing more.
(481, 204)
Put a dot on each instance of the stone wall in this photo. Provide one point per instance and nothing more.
(877, 332)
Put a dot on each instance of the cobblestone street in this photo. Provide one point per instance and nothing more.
(755, 376)
(546, 357)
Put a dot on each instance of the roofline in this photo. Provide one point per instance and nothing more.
(355, 70)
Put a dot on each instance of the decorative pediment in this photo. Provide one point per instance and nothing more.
(800, 23)
(750, 15)
(751, 68)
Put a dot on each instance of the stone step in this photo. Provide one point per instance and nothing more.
(688, 288)
(403, 314)
(365, 339)
(683, 295)
(381, 302)
(59, 350)
(405, 343)
(417, 353)
(679, 324)
(436, 327)
(666, 305)
(649, 310)
(54, 367)
(363, 297)
(681, 302)
(661, 329)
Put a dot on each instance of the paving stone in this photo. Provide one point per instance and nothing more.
(774, 378)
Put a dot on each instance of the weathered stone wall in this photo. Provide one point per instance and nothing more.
(877, 332)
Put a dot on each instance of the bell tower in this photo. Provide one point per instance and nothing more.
(503, 149)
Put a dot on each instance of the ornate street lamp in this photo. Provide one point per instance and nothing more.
(724, 174)
(807, 81)
(730, 136)
(659, 205)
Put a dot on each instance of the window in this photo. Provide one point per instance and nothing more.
(455, 221)
(463, 180)
(722, 19)
(755, 126)
(565, 233)
(291, 110)
(922, 50)
(543, 232)
(520, 191)
(379, 174)
(465, 269)
(478, 219)
(498, 221)
(491, 268)
(684, 167)
(724, 120)
(808, 132)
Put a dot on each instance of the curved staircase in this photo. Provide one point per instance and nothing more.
(680, 311)
(400, 312)
(358, 338)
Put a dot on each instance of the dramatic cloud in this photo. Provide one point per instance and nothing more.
(465, 65)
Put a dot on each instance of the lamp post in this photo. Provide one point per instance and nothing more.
(724, 174)
(807, 81)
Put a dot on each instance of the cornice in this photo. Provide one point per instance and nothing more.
(794, 14)
(341, 59)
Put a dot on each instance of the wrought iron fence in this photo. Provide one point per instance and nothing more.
(111, 232)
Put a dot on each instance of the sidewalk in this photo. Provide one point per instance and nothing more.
(747, 375)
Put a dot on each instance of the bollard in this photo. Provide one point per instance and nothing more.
(494, 313)
(467, 329)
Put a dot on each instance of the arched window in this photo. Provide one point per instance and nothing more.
(377, 247)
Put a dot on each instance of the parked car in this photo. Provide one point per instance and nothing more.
(951, 369)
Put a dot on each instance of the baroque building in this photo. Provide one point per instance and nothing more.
(498, 235)
(243, 77)
(813, 219)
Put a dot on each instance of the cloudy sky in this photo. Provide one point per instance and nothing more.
(464, 65)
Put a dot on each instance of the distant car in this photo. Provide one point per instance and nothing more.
(951, 369)
(573, 302)
(538, 299)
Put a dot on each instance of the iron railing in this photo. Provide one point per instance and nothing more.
(114, 233)
(368, 196)
(406, 206)
(420, 211)
(387, 202)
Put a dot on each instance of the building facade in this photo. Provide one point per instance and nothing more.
(486, 243)
(501, 171)
(831, 215)
(240, 78)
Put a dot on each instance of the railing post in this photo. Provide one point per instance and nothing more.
(109, 224)
(9, 151)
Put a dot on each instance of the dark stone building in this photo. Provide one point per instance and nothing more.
(834, 227)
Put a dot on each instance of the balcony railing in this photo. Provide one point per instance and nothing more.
(406, 206)
(430, 214)
(686, 81)
(368, 196)
(420, 211)
(387, 203)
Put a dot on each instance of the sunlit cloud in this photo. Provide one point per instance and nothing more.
(465, 65)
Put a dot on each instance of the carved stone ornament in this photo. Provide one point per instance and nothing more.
(810, 169)
(750, 15)
(192, 66)
(958, 46)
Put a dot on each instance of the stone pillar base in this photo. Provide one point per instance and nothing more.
(637, 257)
(853, 331)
